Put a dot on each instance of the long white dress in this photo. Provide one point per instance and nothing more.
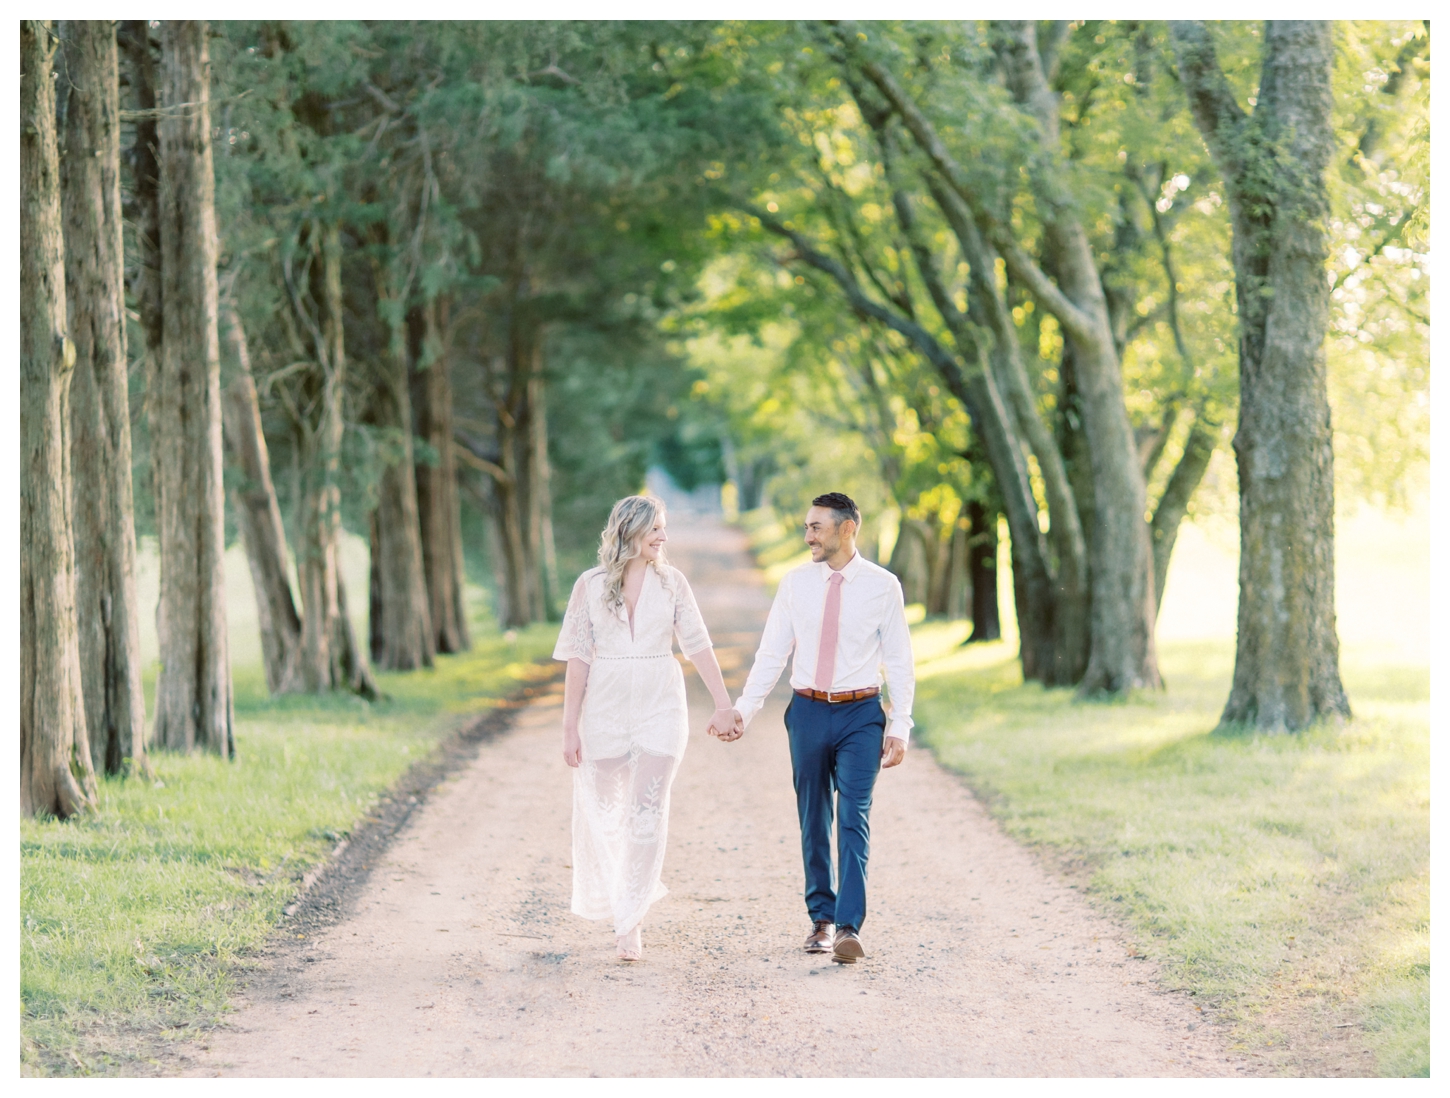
(632, 729)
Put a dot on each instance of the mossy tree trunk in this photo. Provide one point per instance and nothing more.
(56, 774)
(1286, 669)
(1123, 611)
(107, 607)
(194, 689)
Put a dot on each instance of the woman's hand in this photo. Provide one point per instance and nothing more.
(726, 725)
(576, 681)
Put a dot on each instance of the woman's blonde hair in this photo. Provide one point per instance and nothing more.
(632, 518)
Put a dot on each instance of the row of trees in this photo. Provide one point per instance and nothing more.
(451, 286)
(1078, 234)
(355, 259)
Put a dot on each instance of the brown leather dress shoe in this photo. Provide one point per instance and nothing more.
(847, 949)
(819, 939)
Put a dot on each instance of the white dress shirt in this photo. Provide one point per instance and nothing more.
(873, 635)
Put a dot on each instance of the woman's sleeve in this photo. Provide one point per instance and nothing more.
(576, 635)
(689, 625)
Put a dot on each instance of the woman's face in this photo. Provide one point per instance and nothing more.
(653, 540)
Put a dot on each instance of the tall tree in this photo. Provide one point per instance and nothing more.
(56, 774)
(437, 480)
(1273, 161)
(143, 79)
(194, 689)
(328, 656)
(258, 515)
(402, 635)
(100, 423)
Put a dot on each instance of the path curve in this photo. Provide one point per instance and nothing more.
(460, 957)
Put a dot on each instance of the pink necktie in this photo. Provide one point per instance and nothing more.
(830, 632)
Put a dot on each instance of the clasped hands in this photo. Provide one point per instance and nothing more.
(726, 725)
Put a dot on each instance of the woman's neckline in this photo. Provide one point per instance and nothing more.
(629, 610)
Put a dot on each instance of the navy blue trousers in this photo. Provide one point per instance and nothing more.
(835, 754)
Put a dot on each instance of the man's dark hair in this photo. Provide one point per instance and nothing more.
(841, 505)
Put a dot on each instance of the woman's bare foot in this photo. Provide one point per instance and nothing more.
(629, 945)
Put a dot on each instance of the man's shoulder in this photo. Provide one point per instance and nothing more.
(876, 573)
(800, 572)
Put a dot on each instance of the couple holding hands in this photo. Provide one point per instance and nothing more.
(625, 721)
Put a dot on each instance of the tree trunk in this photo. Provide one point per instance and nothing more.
(1070, 624)
(437, 486)
(939, 567)
(1046, 652)
(982, 568)
(328, 658)
(1168, 515)
(541, 494)
(142, 74)
(194, 689)
(259, 518)
(107, 607)
(959, 580)
(526, 470)
(1286, 669)
(1122, 652)
(1123, 612)
(405, 631)
(56, 774)
(375, 589)
(518, 604)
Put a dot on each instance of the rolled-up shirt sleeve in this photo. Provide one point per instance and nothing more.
(900, 666)
(775, 648)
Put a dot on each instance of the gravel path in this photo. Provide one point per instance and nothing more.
(458, 955)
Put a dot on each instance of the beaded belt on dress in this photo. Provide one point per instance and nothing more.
(656, 656)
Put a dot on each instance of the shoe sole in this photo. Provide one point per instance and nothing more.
(818, 949)
(848, 953)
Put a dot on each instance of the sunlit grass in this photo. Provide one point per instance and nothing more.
(1284, 879)
(135, 918)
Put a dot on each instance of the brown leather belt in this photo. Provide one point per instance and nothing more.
(840, 697)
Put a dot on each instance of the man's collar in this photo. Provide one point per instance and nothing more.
(848, 573)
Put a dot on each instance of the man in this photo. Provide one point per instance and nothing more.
(844, 618)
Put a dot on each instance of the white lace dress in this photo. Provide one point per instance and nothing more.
(632, 729)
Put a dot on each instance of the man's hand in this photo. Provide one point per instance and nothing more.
(726, 725)
(572, 749)
(893, 750)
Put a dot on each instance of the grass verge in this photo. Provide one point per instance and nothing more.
(1284, 880)
(134, 920)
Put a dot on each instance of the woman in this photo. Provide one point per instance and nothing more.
(624, 714)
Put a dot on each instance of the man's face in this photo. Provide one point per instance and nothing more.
(823, 533)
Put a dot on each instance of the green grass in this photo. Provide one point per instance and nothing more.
(1283, 879)
(134, 920)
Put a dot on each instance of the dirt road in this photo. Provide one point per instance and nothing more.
(459, 956)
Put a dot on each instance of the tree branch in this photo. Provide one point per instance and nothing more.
(1210, 98)
(861, 304)
(483, 465)
(1021, 265)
